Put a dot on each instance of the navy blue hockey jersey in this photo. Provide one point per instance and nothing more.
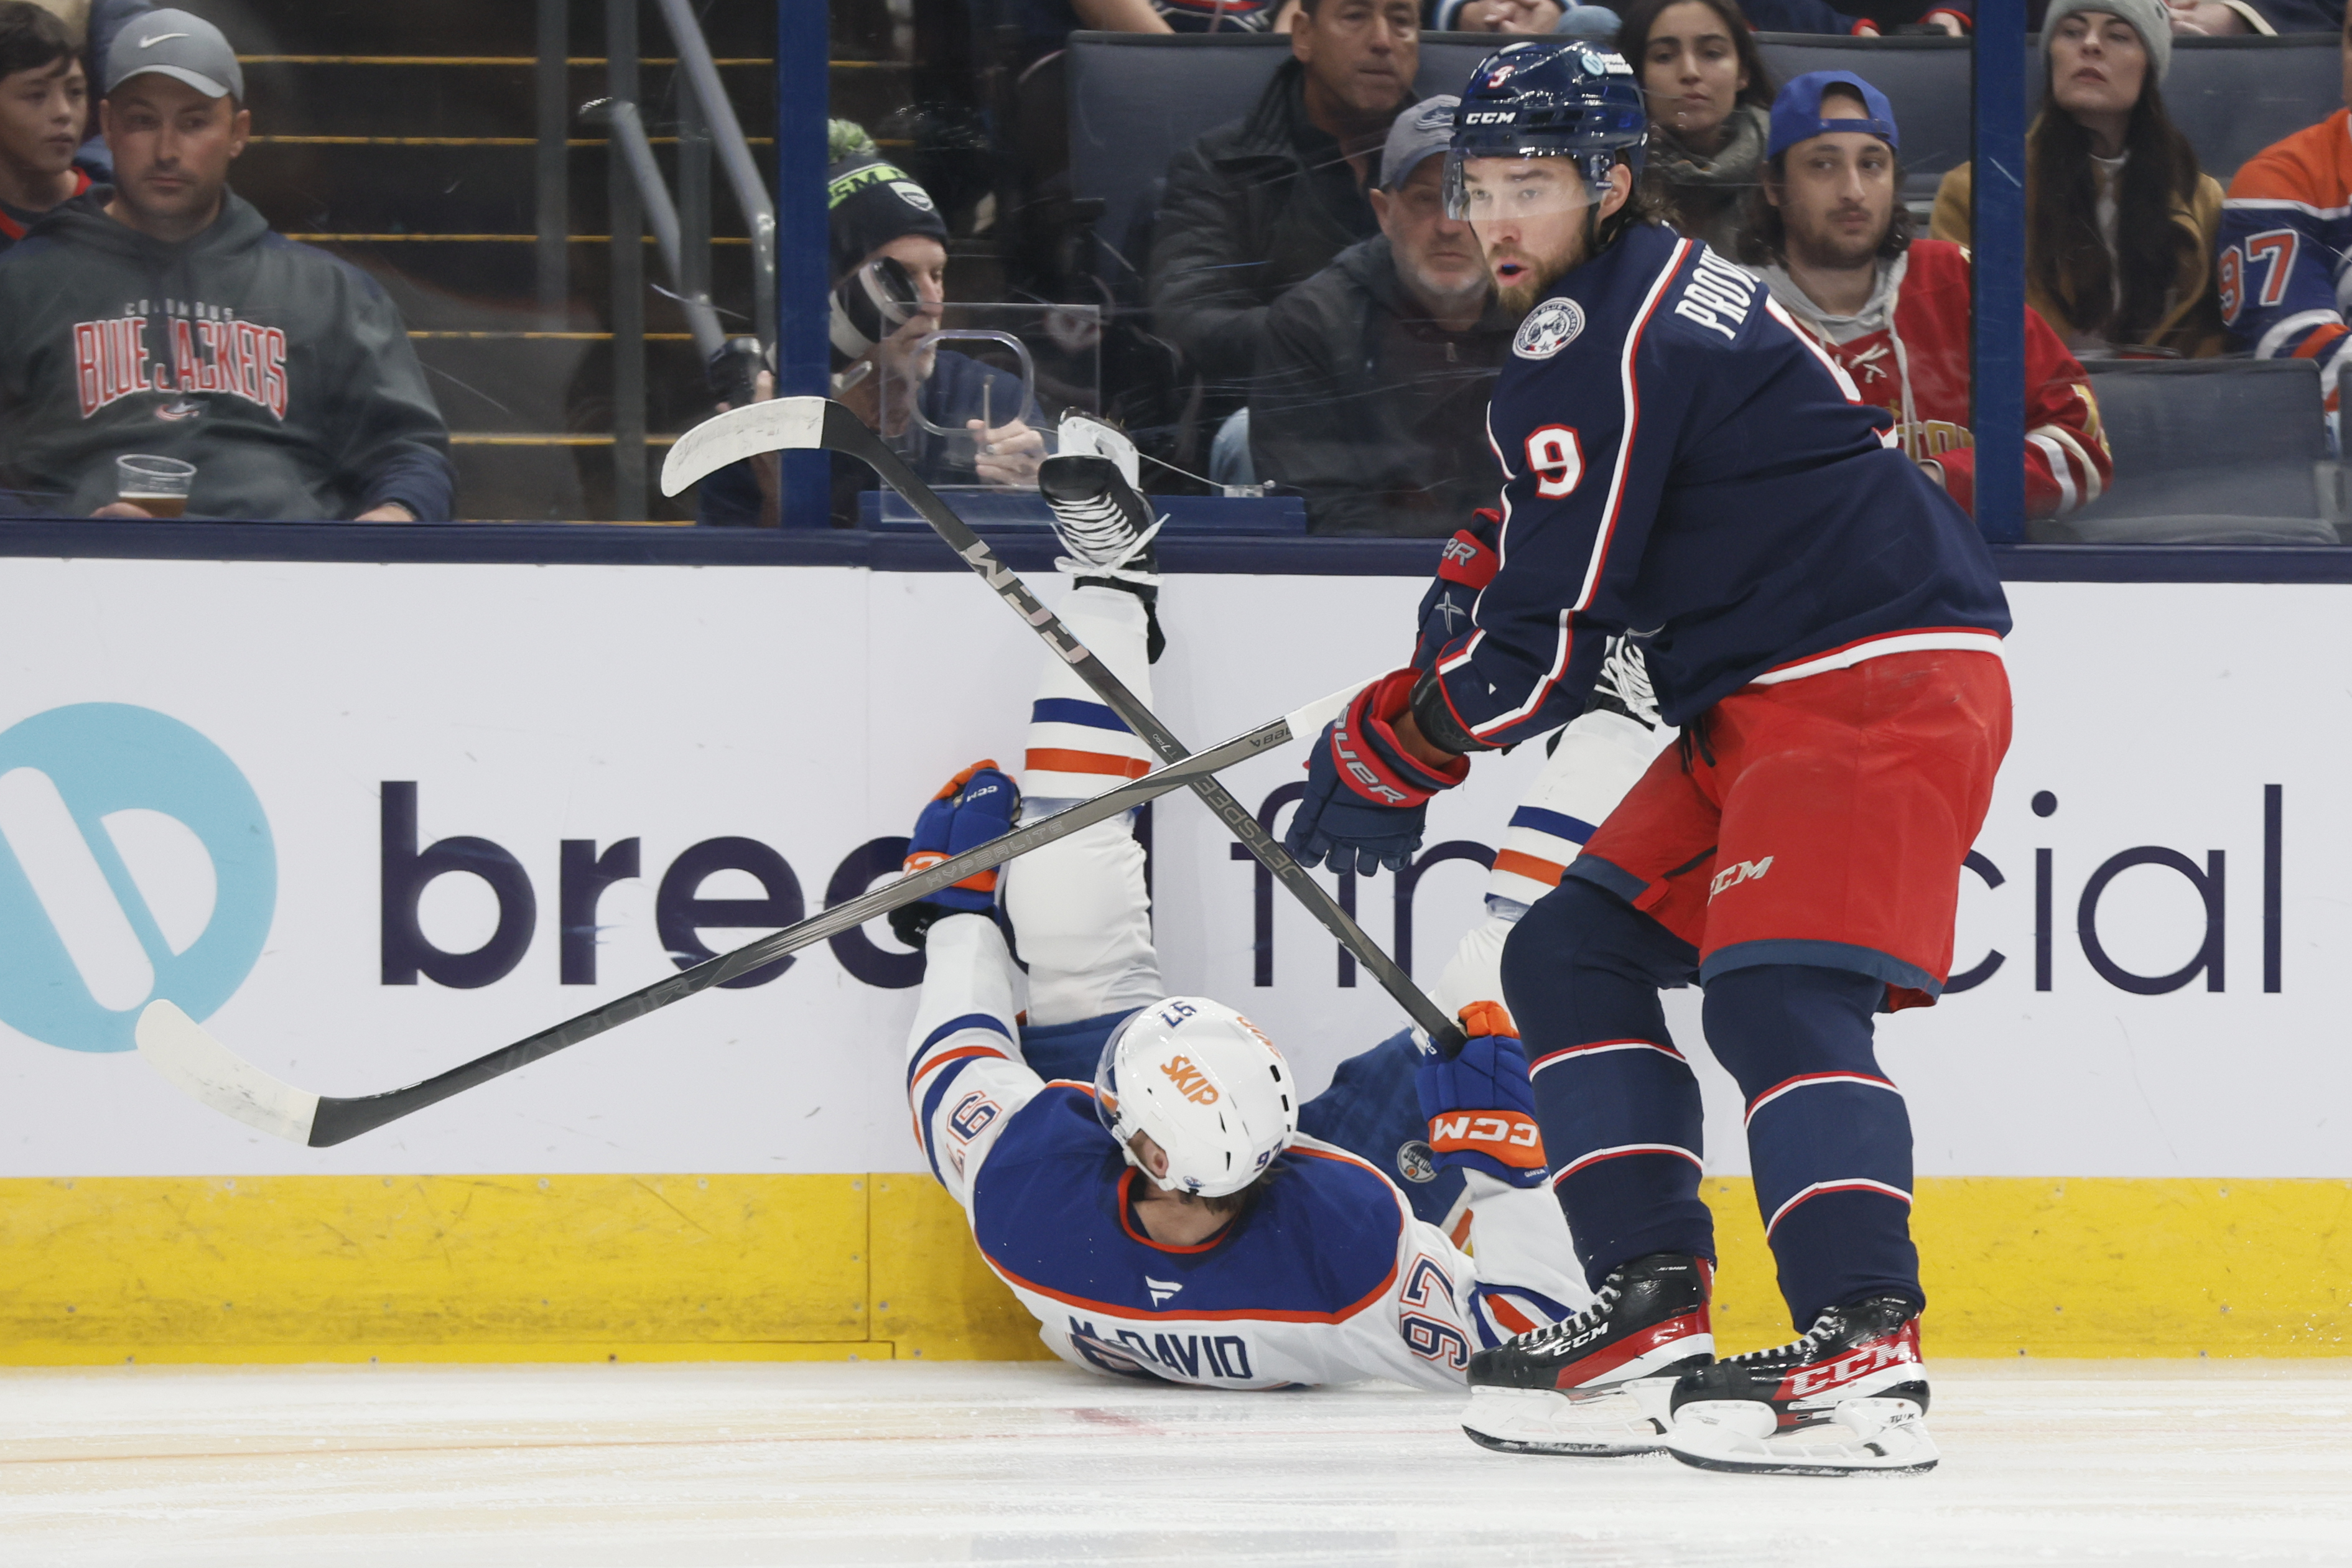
(1682, 463)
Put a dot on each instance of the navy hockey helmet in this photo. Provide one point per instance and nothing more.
(1549, 100)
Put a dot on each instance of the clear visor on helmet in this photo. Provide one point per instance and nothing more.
(1498, 187)
(1106, 1079)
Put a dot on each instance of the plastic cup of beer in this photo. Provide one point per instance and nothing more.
(156, 485)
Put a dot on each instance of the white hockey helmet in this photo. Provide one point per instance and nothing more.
(1209, 1088)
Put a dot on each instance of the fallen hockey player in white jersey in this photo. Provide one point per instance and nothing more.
(1137, 1166)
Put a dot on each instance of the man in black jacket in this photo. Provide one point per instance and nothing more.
(1263, 204)
(1372, 375)
(160, 316)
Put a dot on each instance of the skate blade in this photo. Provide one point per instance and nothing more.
(1603, 1425)
(1866, 1436)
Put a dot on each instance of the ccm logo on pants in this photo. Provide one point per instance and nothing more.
(1731, 876)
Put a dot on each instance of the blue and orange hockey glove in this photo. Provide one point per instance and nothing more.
(1366, 795)
(975, 806)
(1464, 570)
(1481, 1106)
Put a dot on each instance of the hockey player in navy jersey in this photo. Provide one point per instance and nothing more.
(1137, 1166)
(1682, 465)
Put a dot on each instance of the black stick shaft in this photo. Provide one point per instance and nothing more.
(844, 432)
(337, 1120)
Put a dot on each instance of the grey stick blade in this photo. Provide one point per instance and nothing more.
(176, 1046)
(782, 424)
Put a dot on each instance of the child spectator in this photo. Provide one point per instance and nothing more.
(1831, 240)
(1372, 386)
(160, 316)
(1708, 96)
(44, 103)
(1259, 205)
(2119, 223)
(2286, 232)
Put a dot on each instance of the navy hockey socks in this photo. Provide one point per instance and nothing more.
(1618, 1105)
(1828, 1135)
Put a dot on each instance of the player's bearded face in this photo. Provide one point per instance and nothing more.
(1529, 216)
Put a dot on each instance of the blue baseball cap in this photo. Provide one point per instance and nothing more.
(1797, 112)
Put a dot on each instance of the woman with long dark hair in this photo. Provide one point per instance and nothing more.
(2119, 222)
(1709, 99)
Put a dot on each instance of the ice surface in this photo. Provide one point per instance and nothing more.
(586, 1467)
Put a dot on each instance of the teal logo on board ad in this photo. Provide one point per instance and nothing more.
(135, 862)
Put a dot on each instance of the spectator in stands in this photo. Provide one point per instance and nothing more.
(1371, 385)
(1045, 24)
(1709, 99)
(1523, 16)
(44, 105)
(1831, 238)
(160, 316)
(879, 216)
(2286, 232)
(2266, 18)
(1872, 19)
(1255, 207)
(2119, 223)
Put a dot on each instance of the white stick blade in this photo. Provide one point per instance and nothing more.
(1307, 723)
(203, 1069)
(783, 425)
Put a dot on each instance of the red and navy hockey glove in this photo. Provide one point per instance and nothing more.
(1366, 795)
(975, 806)
(1480, 1106)
(1464, 570)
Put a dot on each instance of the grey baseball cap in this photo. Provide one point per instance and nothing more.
(174, 44)
(1426, 128)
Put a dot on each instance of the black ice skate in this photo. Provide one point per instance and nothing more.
(1851, 1396)
(1597, 1384)
(1107, 527)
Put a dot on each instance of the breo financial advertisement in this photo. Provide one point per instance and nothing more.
(371, 822)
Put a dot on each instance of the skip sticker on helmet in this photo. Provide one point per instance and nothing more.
(1190, 1080)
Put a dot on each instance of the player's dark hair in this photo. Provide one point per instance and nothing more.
(1634, 43)
(31, 39)
(1764, 232)
(2064, 254)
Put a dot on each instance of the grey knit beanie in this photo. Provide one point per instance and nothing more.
(2148, 18)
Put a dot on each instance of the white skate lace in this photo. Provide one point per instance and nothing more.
(1097, 533)
(1542, 1340)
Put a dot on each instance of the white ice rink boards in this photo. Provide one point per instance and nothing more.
(598, 1466)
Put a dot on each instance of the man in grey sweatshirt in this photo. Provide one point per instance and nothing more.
(161, 315)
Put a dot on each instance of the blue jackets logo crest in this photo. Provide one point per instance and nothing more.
(1549, 328)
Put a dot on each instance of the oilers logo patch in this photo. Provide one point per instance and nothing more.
(1549, 328)
(1416, 1162)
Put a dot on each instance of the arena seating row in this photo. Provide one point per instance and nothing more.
(1138, 98)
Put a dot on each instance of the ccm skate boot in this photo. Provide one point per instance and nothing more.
(1597, 1384)
(1850, 1396)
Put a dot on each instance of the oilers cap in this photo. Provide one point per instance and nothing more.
(1797, 112)
(1537, 100)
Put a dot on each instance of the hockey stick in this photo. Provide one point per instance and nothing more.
(803, 423)
(179, 1048)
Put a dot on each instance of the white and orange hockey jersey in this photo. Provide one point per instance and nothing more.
(1326, 1277)
(2285, 265)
